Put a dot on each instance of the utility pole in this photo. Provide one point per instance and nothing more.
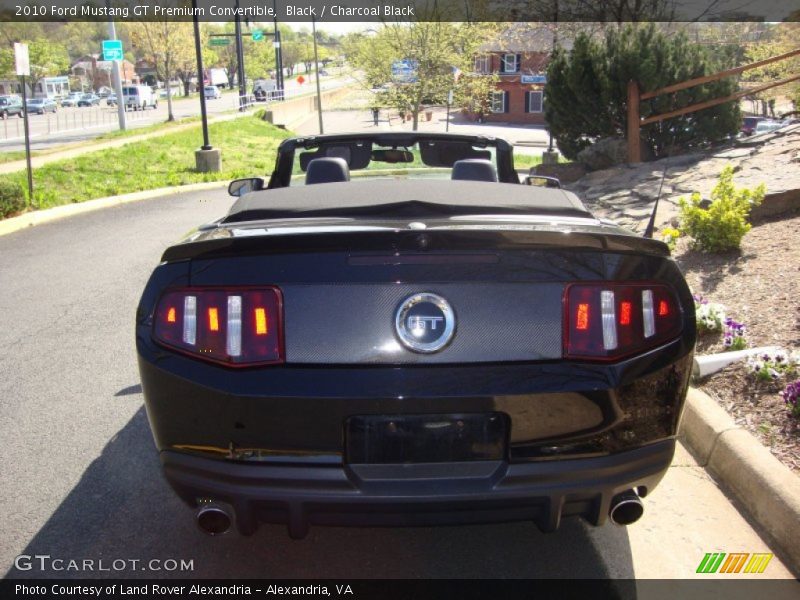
(112, 35)
(278, 52)
(207, 159)
(240, 61)
(316, 64)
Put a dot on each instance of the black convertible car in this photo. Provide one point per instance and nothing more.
(395, 330)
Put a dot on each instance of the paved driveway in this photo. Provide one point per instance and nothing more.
(80, 476)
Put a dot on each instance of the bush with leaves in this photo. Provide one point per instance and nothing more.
(723, 224)
(12, 198)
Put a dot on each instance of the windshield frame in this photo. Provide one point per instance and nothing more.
(285, 160)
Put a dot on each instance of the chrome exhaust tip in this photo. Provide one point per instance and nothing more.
(626, 508)
(213, 518)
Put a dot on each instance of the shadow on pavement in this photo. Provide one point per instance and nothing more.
(123, 509)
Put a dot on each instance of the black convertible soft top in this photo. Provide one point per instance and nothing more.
(389, 199)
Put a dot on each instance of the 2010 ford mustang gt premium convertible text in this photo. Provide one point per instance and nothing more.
(394, 330)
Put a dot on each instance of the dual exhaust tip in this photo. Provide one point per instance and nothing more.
(214, 518)
(626, 508)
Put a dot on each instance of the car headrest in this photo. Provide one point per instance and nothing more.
(328, 169)
(474, 169)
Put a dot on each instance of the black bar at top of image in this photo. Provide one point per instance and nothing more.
(392, 10)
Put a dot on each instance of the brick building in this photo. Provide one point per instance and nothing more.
(519, 57)
(95, 73)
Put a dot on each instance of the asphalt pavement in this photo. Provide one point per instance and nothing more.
(80, 474)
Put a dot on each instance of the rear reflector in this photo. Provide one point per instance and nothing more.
(607, 321)
(233, 328)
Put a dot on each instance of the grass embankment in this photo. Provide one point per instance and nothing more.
(248, 148)
(15, 155)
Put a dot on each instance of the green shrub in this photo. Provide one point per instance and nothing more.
(12, 198)
(723, 224)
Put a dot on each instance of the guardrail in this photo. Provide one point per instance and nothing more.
(74, 119)
(66, 120)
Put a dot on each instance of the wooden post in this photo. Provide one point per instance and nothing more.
(634, 149)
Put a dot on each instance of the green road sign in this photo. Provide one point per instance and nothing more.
(258, 35)
(112, 50)
(220, 41)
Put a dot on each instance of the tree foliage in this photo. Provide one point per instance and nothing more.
(437, 48)
(781, 38)
(169, 44)
(586, 93)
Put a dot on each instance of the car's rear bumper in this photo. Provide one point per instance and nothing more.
(419, 494)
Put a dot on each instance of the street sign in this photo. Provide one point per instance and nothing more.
(112, 50)
(404, 71)
(21, 59)
(533, 79)
(216, 41)
(257, 35)
(301, 80)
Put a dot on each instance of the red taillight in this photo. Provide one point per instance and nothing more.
(235, 327)
(608, 321)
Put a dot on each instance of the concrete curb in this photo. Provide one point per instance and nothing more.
(768, 490)
(38, 217)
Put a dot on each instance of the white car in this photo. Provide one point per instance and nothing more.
(767, 126)
(212, 92)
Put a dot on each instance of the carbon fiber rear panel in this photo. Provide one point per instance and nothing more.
(352, 324)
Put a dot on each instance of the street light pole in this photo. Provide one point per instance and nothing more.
(198, 50)
(207, 159)
(240, 60)
(278, 52)
(112, 34)
(316, 64)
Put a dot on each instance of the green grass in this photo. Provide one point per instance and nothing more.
(526, 161)
(13, 156)
(248, 148)
(164, 126)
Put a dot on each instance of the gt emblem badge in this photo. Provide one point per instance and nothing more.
(425, 322)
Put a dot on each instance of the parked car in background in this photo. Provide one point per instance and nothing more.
(72, 99)
(767, 126)
(39, 106)
(10, 106)
(104, 91)
(112, 100)
(139, 97)
(212, 92)
(89, 100)
(749, 125)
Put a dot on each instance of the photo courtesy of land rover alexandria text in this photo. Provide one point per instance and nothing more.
(398, 329)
